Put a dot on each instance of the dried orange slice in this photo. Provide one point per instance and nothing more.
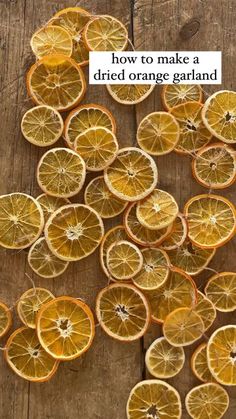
(164, 360)
(30, 303)
(130, 94)
(113, 235)
(99, 197)
(50, 204)
(42, 125)
(158, 210)
(57, 81)
(215, 166)
(105, 33)
(123, 312)
(65, 328)
(158, 133)
(221, 290)
(219, 115)
(27, 358)
(199, 364)
(98, 147)
(221, 355)
(182, 327)
(193, 133)
(133, 174)
(74, 231)
(176, 94)
(21, 220)
(43, 262)
(61, 172)
(211, 220)
(140, 234)
(87, 116)
(178, 234)
(205, 309)
(154, 399)
(207, 401)
(51, 40)
(5, 319)
(124, 260)
(179, 290)
(155, 269)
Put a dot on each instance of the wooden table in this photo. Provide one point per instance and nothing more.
(97, 385)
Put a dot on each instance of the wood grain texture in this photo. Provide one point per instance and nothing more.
(97, 385)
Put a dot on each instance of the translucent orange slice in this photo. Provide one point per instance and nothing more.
(30, 303)
(5, 319)
(105, 33)
(176, 94)
(50, 204)
(178, 234)
(51, 40)
(205, 309)
(124, 260)
(113, 235)
(221, 290)
(207, 401)
(199, 364)
(130, 94)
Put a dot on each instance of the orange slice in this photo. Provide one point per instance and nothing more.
(113, 235)
(221, 290)
(50, 204)
(199, 364)
(182, 327)
(219, 115)
(124, 260)
(205, 309)
(123, 312)
(158, 133)
(61, 172)
(51, 40)
(164, 360)
(130, 94)
(211, 220)
(193, 133)
(57, 81)
(87, 116)
(27, 358)
(97, 146)
(21, 220)
(105, 33)
(30, 303)
(65, 328)
(221, 355)
(176, 94)
(155, 269)
(74, 231)
(133, 174)
(154, 399)
(43, 262)
(42, 125)
(5, 319)
(178, 234)
(99, 197)
(207, 401)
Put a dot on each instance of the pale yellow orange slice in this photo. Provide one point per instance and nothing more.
(30, 303)
(199, 364)
(176, 94)
(207, 401)
(178, 234)
(130, 94)
(51, 40)
(113, 235)
(105, 33)
(124, 260)
(221, 290)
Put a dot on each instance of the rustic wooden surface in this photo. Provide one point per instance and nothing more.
(97, 385)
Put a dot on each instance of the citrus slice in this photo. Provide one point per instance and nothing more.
(191, 258)
(61, 172)
(21, 220)
(130, 94)
(221, 355)
(193, 133)
(99, 197)
(51, 40)
(179, 290)
(154, 399)
(98, 147)
(105, 33)
(132, 175)
(205, 309)
(221, 290)
(219, 115)
(30, 303)
(113, 235)
(140, 234)
(164, 360)
(57, 81)
(155, 269)
(123, 312)
(158, 210)
(124, 260)
(42, 125)
(158, 133)
(43, 262)
(84, 117)
(74, 231)
(5, 319)
(215, 166)
(50, 204)
(178, 234)
(182, 327)
(27, 358)
(199, 364)
(207, 401)
(176, 94)
(211, 220)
